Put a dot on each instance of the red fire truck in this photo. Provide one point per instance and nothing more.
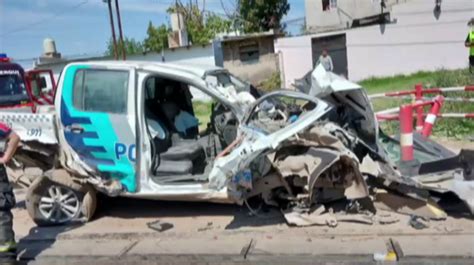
(23, 91)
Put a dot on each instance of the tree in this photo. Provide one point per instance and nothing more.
(204, 33)
(131, 46)
(157, 37)
(262, 15)
(202, 26)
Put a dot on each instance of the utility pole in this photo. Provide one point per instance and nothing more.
(119, 21)
(112, 27)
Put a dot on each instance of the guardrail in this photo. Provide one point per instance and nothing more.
(424, 121)
(419, 95)
(419, 91)
(406, 124)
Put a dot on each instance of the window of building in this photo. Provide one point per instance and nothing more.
(101, 90)
(329, 5)
(249, 51)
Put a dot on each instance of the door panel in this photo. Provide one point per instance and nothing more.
(42, 85)
(95, 119)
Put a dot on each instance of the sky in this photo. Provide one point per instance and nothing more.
(81, 27)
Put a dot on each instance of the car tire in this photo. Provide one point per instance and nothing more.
(50, 203)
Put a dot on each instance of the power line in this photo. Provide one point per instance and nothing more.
(41, 21)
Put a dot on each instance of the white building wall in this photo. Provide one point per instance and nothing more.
(342, 16)
(198, 55)
(295, 58)
(418, 41)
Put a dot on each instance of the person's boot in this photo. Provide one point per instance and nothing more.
(8, 253)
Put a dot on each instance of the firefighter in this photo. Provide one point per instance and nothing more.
(470, 44)
(9, 141)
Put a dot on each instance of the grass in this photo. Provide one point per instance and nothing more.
(455, 128)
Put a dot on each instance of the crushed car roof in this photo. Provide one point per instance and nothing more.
(194, 69)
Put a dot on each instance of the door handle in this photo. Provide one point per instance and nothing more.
(75, 128)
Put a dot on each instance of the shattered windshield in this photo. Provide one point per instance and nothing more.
(227, 81)
(278, 111)
(11, 85)
(12, 89)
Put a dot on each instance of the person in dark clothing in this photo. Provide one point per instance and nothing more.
(7, 199)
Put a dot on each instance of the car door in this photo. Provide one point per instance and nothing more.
(42, 85)
(97, 121)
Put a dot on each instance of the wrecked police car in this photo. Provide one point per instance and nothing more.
(131, 129)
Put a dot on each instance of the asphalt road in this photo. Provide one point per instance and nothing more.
(205, 233)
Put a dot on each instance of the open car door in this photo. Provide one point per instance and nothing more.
(42, 86)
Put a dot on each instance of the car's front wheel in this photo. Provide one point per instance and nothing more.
(51, 203)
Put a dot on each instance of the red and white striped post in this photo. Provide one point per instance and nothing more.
(419, 109)
(406, 133)
(431, 117)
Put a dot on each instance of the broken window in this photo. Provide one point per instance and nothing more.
(249, 51)
(325, 5)
(101, 91)
(329, 4)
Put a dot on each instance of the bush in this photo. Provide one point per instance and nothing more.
(272, 83)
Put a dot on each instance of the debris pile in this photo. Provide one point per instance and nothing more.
(343, 168)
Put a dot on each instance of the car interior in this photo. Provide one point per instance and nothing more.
(180, 152)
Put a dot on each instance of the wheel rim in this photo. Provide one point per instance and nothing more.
(59, 204)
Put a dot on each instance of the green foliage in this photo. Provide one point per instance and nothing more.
(203, 33)
(131, 46)
(157, 38)
(446, 78)
(396, 83)
(202, 111)
(447, 127)
(456, 128)
(272, 83)
(214, 25)
(201, 26)
(263, 15)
